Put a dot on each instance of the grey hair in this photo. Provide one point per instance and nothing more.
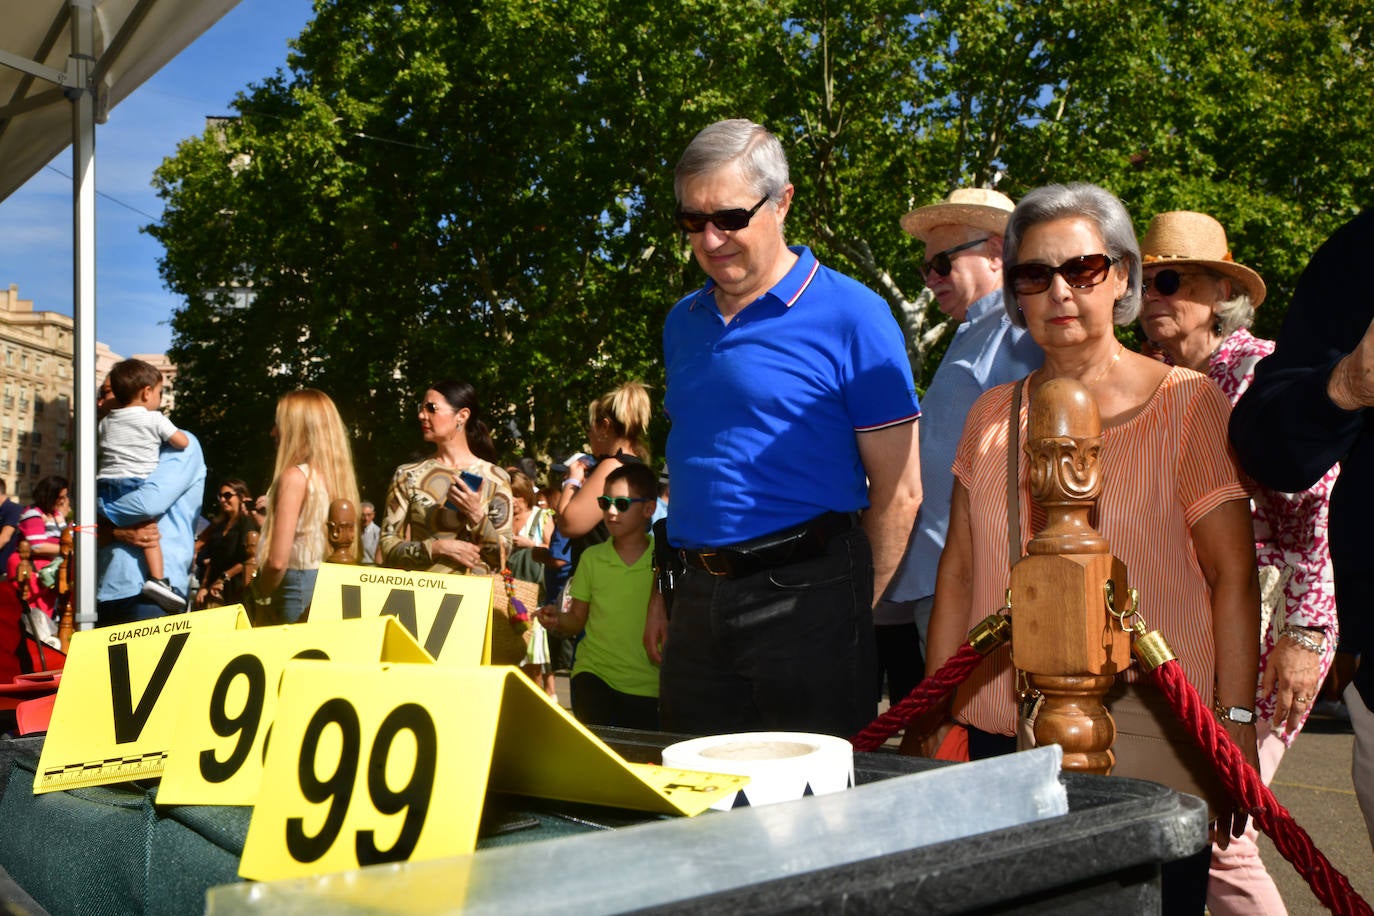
(751, 147)
(366, 505)
(1234, 313)
(1079, 200)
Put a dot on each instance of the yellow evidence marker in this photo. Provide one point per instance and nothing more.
(116, 711)
(226, 718)
(392, 763)
(447, 613)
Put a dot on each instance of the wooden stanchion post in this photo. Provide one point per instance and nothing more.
(1064, 636)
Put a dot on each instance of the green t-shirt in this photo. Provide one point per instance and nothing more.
(618, 599)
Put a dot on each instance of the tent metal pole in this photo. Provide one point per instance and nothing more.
(83, 305)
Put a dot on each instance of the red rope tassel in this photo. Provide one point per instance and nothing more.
(925, 695)
(1331, 887)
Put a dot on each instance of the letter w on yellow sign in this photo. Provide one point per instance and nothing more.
(446, 613)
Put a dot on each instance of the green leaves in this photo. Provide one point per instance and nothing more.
(484, 191)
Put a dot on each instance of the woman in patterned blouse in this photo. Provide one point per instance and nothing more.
(1198, 305)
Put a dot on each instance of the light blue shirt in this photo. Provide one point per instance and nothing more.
(987, 351)
(173, 494)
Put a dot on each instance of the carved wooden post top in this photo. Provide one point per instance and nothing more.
(343, 529)
(1064, 442)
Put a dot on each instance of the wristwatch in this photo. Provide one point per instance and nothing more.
(1239, 714)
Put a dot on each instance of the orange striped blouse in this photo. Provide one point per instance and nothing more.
(1163, 470)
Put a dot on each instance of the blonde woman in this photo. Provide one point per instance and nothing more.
(617, 423)
(314, 467)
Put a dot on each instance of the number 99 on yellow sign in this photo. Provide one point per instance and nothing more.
(352, 773)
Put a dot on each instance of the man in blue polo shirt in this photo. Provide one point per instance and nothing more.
(793, 455)
(963, 270)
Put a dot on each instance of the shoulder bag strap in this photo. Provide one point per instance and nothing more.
(1013, 478)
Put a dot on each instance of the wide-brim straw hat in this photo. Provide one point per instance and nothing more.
(1186, 237)
(981, 208)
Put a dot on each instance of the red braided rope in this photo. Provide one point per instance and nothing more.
(933, 689)
(1331, 887)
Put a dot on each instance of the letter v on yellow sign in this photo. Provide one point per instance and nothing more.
(446, 613)
(226, 716)
(116, 709)
(380, 764)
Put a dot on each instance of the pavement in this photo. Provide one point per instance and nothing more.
(1313, 783)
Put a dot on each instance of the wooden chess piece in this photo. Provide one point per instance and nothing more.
(343, 530)
(1064, 636)
(66, 595)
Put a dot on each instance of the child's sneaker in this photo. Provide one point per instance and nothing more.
(164, 596)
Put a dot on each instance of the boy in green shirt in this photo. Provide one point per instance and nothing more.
(613, 681)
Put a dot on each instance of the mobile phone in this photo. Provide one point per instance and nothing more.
(474, 481)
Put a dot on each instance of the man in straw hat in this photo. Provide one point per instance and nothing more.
(963, 269)
(1198, 305)
(1308, 408)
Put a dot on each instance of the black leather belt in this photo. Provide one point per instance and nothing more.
(781, 548)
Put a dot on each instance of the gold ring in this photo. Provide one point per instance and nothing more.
(1301, 700)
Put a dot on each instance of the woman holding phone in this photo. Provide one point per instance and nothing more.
(450, 512)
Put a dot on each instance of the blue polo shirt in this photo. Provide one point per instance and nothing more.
(987, 350)
(765, 409)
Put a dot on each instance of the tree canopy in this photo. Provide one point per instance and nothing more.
(483, 191)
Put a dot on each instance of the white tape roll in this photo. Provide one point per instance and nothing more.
(781, 766)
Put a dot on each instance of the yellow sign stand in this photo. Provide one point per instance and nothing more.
(226, 715)
(389, 763)
(446, 613)
(116, 712)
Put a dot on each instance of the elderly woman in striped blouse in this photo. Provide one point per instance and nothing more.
(1172, 506)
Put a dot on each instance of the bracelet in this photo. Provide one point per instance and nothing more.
(570, 482)
(1314, 642)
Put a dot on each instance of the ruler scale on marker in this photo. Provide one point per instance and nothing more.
(111, 769)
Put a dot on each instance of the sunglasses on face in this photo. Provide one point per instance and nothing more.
(1082, 272)
(431, 408)
(227, 494)
(941, 263)
(621, 503)
(1166, 282)
(725, 220)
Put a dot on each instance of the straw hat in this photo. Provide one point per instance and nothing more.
(1186, 237)
(981, 208)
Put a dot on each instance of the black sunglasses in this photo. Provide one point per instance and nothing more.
(1082, 272)
(1166, 282)
(941, 263)
(228, 494)
(724, 220)
(621, 503)
(259, 510)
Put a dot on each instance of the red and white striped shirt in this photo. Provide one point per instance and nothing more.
(1162, 471)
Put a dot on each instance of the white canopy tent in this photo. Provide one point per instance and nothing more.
(63, 65)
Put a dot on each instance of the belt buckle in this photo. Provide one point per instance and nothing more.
(705, 557)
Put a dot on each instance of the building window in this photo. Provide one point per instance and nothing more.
(24, 360)
(19, 466)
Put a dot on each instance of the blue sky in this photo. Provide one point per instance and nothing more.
(132, 306)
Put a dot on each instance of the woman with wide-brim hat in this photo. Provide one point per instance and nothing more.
(1198, 305)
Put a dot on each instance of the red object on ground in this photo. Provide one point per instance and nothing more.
(1243, 782)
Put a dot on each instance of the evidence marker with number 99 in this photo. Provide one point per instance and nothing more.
(336, 789)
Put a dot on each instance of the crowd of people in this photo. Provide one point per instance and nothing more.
(819, 550)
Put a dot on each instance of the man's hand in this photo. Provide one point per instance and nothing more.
(140, 536)
(656, 627)
(1351, 385)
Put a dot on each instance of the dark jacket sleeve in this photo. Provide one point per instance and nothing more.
(1286, 431)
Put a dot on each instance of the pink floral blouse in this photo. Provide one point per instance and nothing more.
(1290, 528)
